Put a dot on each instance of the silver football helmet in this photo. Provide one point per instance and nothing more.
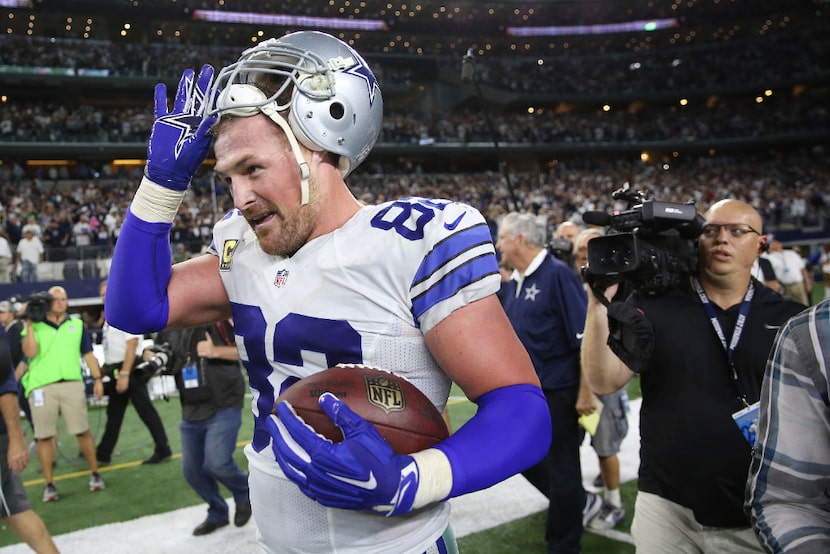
(315, 87)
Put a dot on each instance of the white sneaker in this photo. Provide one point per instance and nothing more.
(608, 517)
(96, 483)
(593, 504)
(50, 493)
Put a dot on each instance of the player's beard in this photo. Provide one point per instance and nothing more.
(295, 228)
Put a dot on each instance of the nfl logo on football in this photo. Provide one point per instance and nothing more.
(281, 278)
(385, 394)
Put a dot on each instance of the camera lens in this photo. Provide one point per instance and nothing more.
(620, 257)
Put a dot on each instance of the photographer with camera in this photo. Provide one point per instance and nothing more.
(700, 347)
(120, 352)
(205, 363)
(54, 343)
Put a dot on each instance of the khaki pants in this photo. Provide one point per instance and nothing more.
(662, 526)
(798, 292)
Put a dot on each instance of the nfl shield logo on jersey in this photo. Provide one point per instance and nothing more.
(281, 278)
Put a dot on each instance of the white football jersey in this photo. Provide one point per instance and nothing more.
(365, 293)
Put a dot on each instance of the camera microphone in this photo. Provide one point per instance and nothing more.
(467, 66)
(593, 217)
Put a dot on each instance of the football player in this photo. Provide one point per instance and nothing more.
(313, 278)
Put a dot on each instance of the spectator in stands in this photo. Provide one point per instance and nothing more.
(15, 509)
(54, 383)
(32, 225)
(121, 350)
(786, 493)
(180, 254)
(211, 390)
(697, 368)
(545, 303)
(791, 270)
(14, 229)
(29, 255)
(6, 260)
(82, 234)
(55, 240)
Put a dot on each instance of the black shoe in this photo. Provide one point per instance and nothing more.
(158, 457)
(598, 482)
(243, 514)
(207, 527)
(103, 461)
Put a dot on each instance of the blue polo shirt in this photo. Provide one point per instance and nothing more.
(547, 307)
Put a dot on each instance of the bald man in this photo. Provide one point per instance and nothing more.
(568, 230)
(703, 368)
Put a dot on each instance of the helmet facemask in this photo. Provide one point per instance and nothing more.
(331, 97)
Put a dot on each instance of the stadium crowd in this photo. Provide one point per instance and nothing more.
(730, 118)
(85, 207)
(782, 57)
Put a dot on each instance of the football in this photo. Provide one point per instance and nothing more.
(402, 414)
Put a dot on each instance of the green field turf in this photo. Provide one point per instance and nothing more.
(134, 490)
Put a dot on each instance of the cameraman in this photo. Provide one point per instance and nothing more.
(54, 382)
(205, 363)
(701, 350)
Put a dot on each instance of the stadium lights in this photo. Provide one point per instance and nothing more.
(560, 30)
(15, 3)
(290, 20)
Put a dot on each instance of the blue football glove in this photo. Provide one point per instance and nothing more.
(360, 473)
(180, 140)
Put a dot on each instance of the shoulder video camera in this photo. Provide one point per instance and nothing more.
(38, 306)
(651, 244)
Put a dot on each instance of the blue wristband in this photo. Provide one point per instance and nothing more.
(510, 432)
(137, 285)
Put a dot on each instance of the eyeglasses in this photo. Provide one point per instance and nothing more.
(736, 230)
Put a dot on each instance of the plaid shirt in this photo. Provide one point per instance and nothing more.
(790, 473)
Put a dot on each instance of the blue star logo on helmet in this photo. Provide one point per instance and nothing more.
(362, 71)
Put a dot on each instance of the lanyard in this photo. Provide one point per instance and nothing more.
(736, 333)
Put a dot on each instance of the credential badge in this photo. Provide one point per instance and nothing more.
(385, 394)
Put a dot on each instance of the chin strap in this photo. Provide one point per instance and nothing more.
(305, 172)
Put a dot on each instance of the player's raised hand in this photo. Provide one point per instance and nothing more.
(179, 140)
(360, 473)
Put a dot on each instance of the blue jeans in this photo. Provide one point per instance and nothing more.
(28, 273)
(207, 460)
